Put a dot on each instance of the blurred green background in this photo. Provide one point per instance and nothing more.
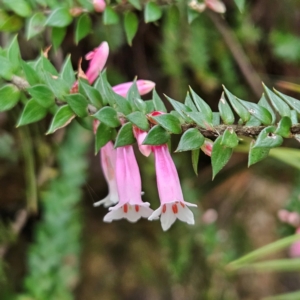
(65, 251)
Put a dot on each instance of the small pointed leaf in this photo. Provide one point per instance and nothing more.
(42, 94)
(157, 136)
(32, 112)
(60, 17)
(257, 154)
(35, 25)
(136, 4)
(108, 116)
(264, 103)
(198, 118)
(63, 116)
(294, 103)
(92, 94)
(152, 12)
(139, 119)
(225, 111)
(284, 127)
(83, 27)
(110, 17)
(169, 122)
(131, 23)
(268, 138)
(123, 104)
(78, 104)
(158, 103)
(30, 74)
(67, 72)
(125, 136)
(180, 108)
(9, 96)
(202, 106)
(195, 160)
(192, 139)
(229, 138)
(189, 102)
(57, 36)
(103, 135)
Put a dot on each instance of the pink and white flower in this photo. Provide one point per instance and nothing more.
(130, 206)
(143, 86)
(108, 163)
(172, 205)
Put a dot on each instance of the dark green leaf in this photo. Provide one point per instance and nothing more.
(180, 108)
(256, 154)
(268, 139)
(237, 106)
(169, 122)
(197, 117)
(152, 12)
(35, 25)
(264, 103)
(9, 97)
(108, 116)
(42, 94)
(258, 112)
(202, 106)
(92, 94)
(58, 35)
(78, 104)
(189, 102)
(157, 136)
(86, 123)
(139, 119)
(294, 103)
(62, 118)
(13, 53)
(6, 69)
(123, 104)
(195, 159)
(30, 73)
(83, 27)
(158, 103)
(10, 23)
(284, 127)
(225, 111)
(192, 139)
(281, 107)
(20, 7)
(110, 17)
(67, 72)
(103, 135)
(220, 156)
(60, 17)
(240, 4)
(32, 112)
(125, 136)
(136, 4)
(131, 23)
(229, 138)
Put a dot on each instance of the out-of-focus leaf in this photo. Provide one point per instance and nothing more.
(32, 112)
(125, 136)
(289, 156)
(67, 72)
(136, 4)
(13, 53)
(10, 23)
(225, 111)
(195, 159)
(42, 94)
(123, 105)
(62, 118)
(58, 86)
(108, 116)
(92, 94)
(294, 103)
(268, 138)
(131, 26)
(78, 104)
(220, 156)
(192, 139)
(169, 122)
(35, 25)
(110, 17)
(6, 69)
(60, 17)
(30, 74)
(285, 296)
(229, 138)
(139, 119)
(240, 4)
(157, 136)
(9, 97)
(152, 12)
(20, 7)
(58, 35)
(83, 27)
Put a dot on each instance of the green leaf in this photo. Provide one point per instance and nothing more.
(157, 136)
(62, 118)
(198, 118)
(9, 97)
(216, 119)
(289, 156)
(10, 23)
(13, 53)
(86, 123)
(192, 139)
(294, 103)
(105, 90)
(281, 107)
(237, 106)
(256, 154)
(30, 74)
(268, 139)
(42, 94)
(103, 135)
(264, 103)
(92, 94)
(195, 159)
(46, 66)
(110, 17)
(229, 138)
(132, 95)
(158, 103)
(83, 27)
(220, 156)
(152, 12)
(258, 112)
(202, 107)
(240, 4)
(285, 296)
(189, 102)
(294, 117)
(7, 68)
(58, 86)
(35, 25)
(136, 4)
(78, 104)
(139, 119)
(108, 116)
(149, 106)
(32, 112)
(180, 108)
(284, 127)
(169, 122)
(141, 105)
(60, 17)
(131, 23)
(225, 111)
(58, 34)
(253, 122)
(20, 7)
(67, 72)
(125, 136)
(122, 104)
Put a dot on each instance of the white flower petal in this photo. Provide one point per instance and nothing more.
(114, 214)
(155, 215)
(167, 218)
(185, 215)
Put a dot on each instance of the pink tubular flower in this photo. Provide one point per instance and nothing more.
(99, 5)
(130, 206)
(108, 162)
(140, 135)
(97, 58)
(172, 205)
(143, 86)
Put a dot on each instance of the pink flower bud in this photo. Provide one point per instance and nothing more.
(216, 5)
(293, 219)
(207, 147)
(210, 216)
(140, 135)
(283, 215)
(99, 5)
(143, 86)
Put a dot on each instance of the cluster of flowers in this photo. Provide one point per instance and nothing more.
(121, 170)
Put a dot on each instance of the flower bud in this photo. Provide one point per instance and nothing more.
(99, 5)
(207, 147)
